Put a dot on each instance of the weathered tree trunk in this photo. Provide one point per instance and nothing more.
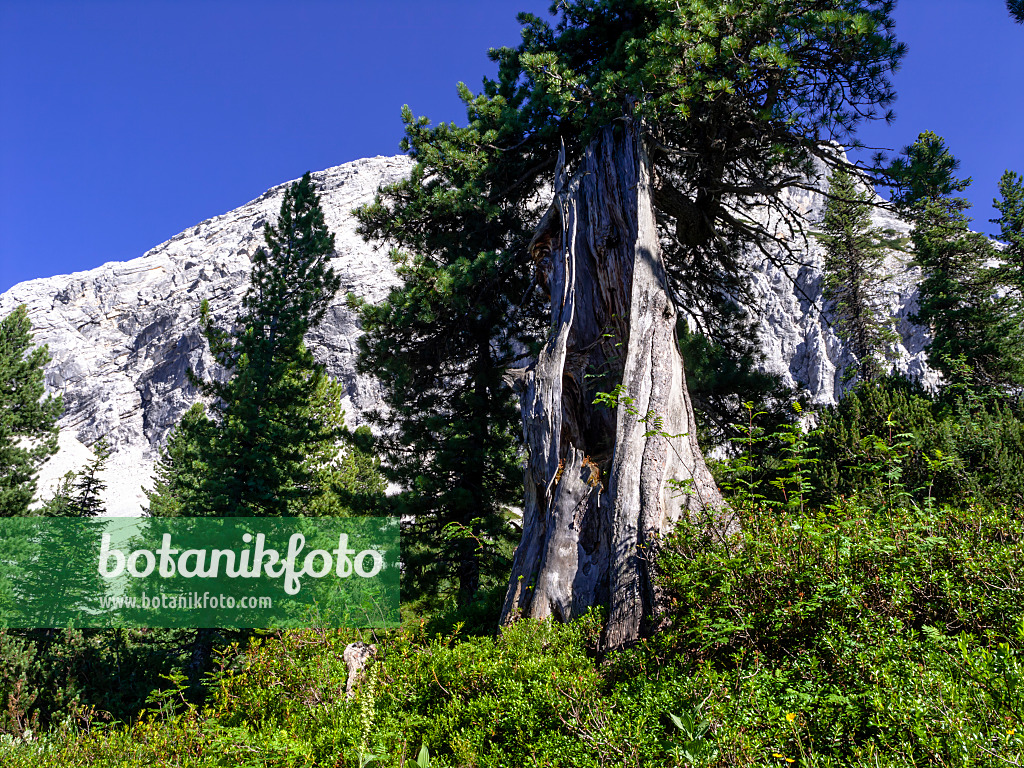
(604, 483)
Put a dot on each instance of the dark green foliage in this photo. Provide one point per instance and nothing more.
(947, 450)
(1016, 9)
(871, 631)
(61, 579)
(451, 432)
(182, 467)
(271, 446)
(727, 92)
(721, 381)
(854, 273)
(78, 677)
(976, 336)
(1010, 205)
(78, 494)
(857, 634)
(28, 421)
(849, 635)
(59, 504)
(265, 427)
(88, 488)
(440, 344)
(352, 484)
(337, 485)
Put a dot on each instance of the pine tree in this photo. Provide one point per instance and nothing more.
(28, 420)
(1016, 9)
(86, 499)
(265, 426)
(976, 338)
(1010, 205)
(182, 467)
(853, 273)
(59, 504)
(449, 434)
(346, 482)
(696, 115)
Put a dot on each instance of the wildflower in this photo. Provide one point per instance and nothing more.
(790, 717)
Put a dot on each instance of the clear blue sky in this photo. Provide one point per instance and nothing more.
(125, 122)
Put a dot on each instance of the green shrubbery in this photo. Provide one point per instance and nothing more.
(860, 618)
(890, 631)
(49, 677)
(849, 635)
(951, 448)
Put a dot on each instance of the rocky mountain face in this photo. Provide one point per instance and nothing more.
(796, 334)
(123, 336)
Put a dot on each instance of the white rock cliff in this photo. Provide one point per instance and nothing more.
(123, 336)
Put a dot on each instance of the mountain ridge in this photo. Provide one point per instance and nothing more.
(124, 335)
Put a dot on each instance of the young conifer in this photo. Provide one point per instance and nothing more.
(854, 273)
(180, 472)
(86, 500)
(28, 420)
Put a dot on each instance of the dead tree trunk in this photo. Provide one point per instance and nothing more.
(602, 483)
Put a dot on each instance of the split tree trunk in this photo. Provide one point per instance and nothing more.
(603, 484)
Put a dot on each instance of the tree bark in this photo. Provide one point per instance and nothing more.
(603, 484)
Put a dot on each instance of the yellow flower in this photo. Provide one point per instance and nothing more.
(776, 754)
(790, 717)
(789, 760)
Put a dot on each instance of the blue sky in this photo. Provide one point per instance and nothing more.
(124, 122)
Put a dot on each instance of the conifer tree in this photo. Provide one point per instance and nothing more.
(265, 427)
(853, 273)
(271, 446)
(182, 467)
(1016, 9)
(721, 106)
(28, 420)
(59, 504)
(449, 435)
(87, 491)
(342, 482)
(976, 337)
(1010, 205)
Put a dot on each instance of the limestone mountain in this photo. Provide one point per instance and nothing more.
(123, 336)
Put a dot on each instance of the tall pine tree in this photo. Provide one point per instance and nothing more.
(28, 420)
(976, 334)
(249, 458)
(854, 273)
(263, 411)
(269, 445)
(449, 434)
